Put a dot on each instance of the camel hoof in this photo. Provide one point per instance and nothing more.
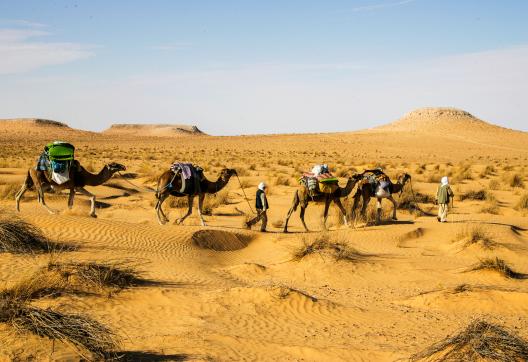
(285, 231)
(178, 221)
(395, 218)
(93, 215)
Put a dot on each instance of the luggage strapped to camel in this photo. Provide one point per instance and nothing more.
(57, 160)
(191, 177)
(319, 183)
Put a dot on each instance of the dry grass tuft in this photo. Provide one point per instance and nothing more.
(474, 195)
(90, 276)
(522, 204)
(9, 190)
(479, 341)
(514, 180)
(498, 265)
(20, 237)
(476, 234)
(91, 339)
(324, 244)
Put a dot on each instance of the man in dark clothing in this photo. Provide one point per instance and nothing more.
(261, 204)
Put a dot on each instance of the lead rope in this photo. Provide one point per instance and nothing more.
(147, 189)
(244, 192)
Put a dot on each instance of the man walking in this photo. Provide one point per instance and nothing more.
(261, 204)
(443, 196)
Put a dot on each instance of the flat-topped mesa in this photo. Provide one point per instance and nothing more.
(439, 119)
(35, 122)
(158, 130)
(437, 112)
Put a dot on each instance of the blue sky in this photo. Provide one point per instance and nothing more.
(238, 67)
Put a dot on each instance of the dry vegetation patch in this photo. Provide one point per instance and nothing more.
(20, 237)
(480, 340)
(476, 234)
(91, 339)
(499, 266)
(323, 243)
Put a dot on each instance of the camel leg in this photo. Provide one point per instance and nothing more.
(301, 215)
(327, 206)
(42, 201)
(160, 215)
(366, 200)
(201, 198)
(190, 199)
(162, 218)
(378, 210)
(19, 195)
(394, 207)
(343, 211)
(70, 198)
(357, 197)
(84, 192)
(290, 212)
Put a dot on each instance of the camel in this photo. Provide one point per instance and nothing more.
(168, 183)
(79, 178)
(302, 198)
(364, 191)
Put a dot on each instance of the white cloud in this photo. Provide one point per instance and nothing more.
(19, 53)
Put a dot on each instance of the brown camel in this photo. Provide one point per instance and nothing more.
(79, 178)
(365, 192)
(302, 198)
(169, 182)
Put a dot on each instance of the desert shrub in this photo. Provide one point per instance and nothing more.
(473, 195)
(491, 207)
(475, 234)
(96, 276)
(487, 171)
(494, 184)
(522, 204)
(9, 190)
(282, 180)
(19, 237)
(499, 266)
(211, 202)
(479, 341)
(91, 339)
(514, 180)
(463, 172)
(324, 244)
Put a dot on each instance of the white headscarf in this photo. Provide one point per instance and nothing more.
(445, 181)
(261, 186)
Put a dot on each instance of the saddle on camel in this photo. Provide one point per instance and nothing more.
(378, 181)
(319, 181)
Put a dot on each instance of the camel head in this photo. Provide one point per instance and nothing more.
(226, 174)
(114, 167)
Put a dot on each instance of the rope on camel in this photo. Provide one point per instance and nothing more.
(244, 192)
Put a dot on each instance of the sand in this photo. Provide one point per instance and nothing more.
(226, 293)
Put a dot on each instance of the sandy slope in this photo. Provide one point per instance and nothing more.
(226, 293)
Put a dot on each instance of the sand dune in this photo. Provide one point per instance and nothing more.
(226, 293)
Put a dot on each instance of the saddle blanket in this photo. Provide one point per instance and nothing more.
(320, 178)
(186, 169)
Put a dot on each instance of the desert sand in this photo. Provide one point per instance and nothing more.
(224, 293)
